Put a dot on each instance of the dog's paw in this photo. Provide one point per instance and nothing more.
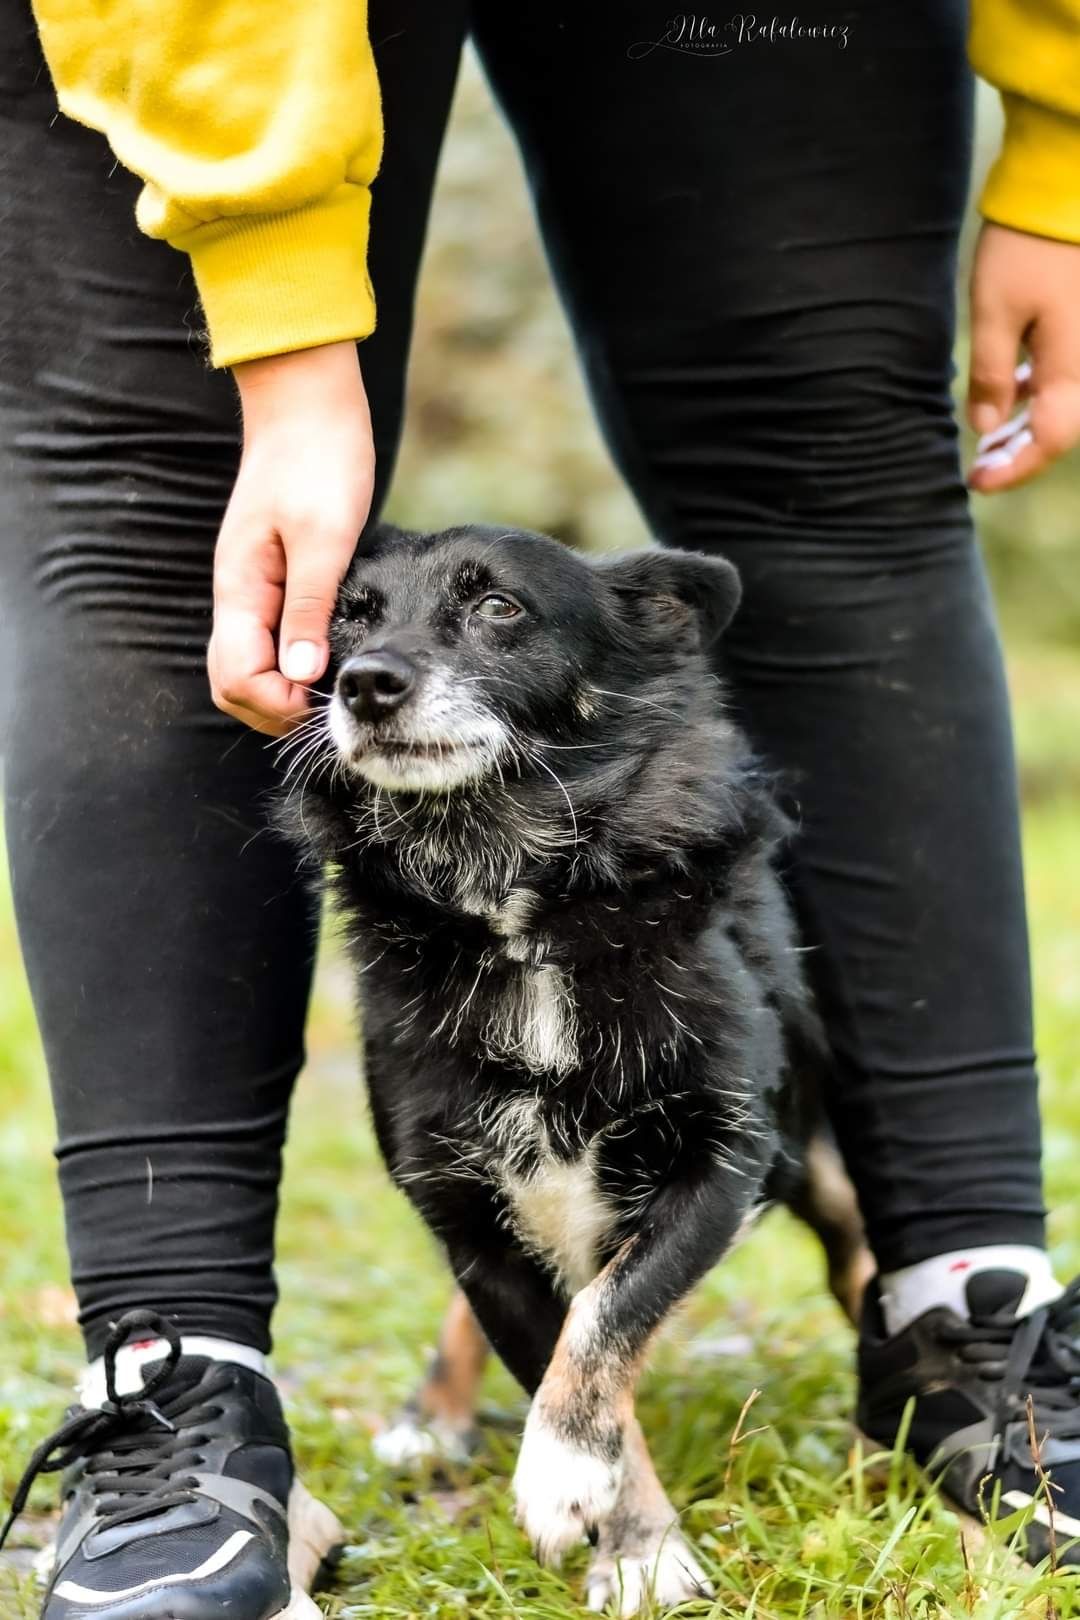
(662, 1578)
(410, 1444)
(562, 1491)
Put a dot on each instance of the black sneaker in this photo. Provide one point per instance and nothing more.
(970, 1381)
(176, 1498)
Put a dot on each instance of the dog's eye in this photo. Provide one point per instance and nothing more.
(356, 610)
(497, 607)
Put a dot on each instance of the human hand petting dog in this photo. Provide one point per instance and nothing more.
(304, 487)
(1025, 293)
(302, 496)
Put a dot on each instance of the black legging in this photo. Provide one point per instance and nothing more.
(757, 252)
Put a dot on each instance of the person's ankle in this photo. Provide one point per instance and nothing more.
(133, 1357)
(941, 1280)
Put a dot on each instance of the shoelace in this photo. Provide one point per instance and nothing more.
(1037, 1356)
(134, 1449)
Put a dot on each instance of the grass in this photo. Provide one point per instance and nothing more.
(791, 1524)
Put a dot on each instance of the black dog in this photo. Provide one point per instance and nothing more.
(591, 1053)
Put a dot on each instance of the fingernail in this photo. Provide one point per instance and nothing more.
(301, 661)
(985, 418)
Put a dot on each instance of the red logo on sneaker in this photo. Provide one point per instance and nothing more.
(960, 1265)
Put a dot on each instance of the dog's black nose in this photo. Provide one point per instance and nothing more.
(373, 683)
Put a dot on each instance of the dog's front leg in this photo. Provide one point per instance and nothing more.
(642, 1558)
(570, 1468)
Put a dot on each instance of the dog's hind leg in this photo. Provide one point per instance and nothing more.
(506, 1302)
(439, 1422)
(825, 1199)
(641, 1557)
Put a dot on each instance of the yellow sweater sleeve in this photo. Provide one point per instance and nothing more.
(257, 130)
(1030, 49)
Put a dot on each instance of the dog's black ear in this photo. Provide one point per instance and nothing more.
(672, 586)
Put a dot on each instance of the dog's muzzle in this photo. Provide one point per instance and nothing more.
(373, 684)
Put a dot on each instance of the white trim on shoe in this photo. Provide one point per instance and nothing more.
(1041, 1514)
(226, 1553)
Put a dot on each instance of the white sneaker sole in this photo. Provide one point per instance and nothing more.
(314, 1533)
(300, 1607)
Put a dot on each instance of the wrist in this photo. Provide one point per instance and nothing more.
(282, 387)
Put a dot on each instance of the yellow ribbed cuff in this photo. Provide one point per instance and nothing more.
(272, 283)
(1035, 183)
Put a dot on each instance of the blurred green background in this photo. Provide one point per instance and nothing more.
(499, 429)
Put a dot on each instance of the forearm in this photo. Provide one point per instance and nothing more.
(1031, 53)
(257, 131)
(279, 389)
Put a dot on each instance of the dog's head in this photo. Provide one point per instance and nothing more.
(460, 655)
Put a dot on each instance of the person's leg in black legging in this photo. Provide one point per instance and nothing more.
(167, 941)
(757, 251)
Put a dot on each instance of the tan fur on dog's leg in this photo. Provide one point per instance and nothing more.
(569, 1468)
(827, 1203)
(439, 1421)
(448, 1393)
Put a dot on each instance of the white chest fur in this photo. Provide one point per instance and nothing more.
(557, 1207)
(561, 1215)
(536, 1019)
